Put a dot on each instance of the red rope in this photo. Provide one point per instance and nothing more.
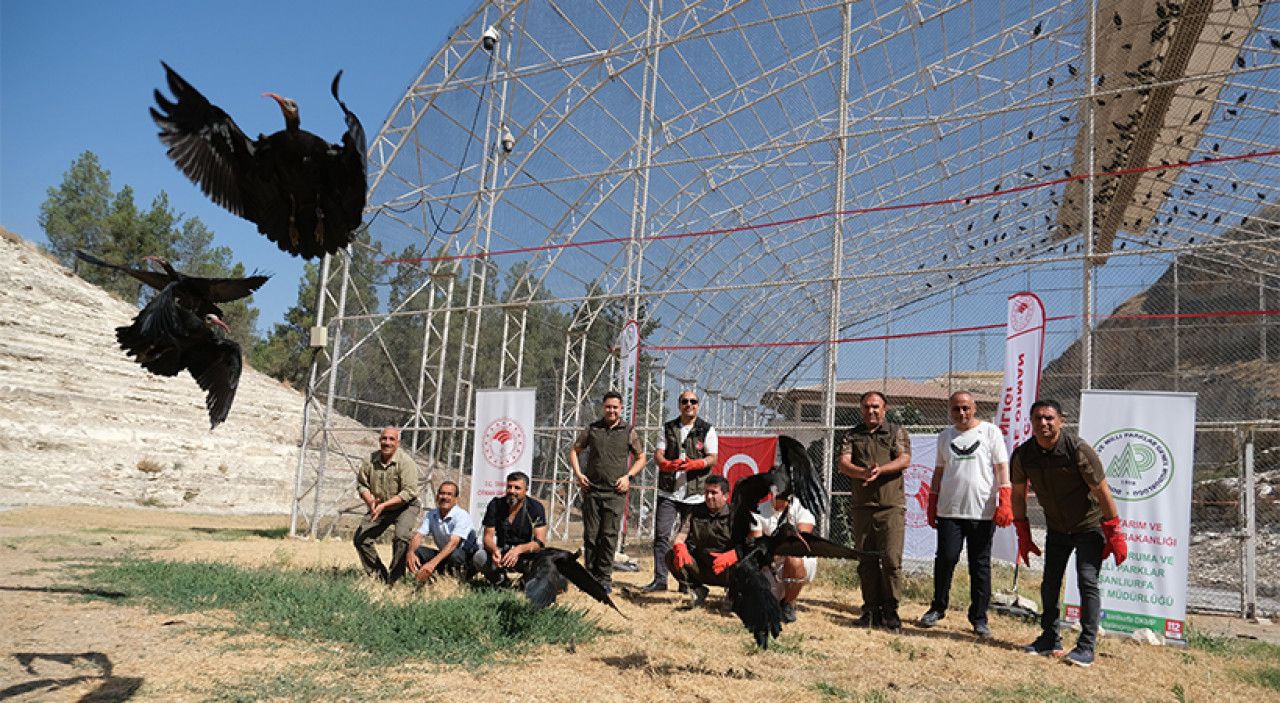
(955, 330)
(856, 211)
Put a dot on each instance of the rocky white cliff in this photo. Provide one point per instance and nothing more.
(81, 423)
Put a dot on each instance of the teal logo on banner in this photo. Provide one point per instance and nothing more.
(1138, 463)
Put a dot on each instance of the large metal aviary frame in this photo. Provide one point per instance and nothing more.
(753, 180)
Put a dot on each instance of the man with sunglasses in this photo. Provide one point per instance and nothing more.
(969, 498)
(686, 454)
(453, 533)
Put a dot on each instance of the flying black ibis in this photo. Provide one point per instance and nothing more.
(167, 338)
(305, 194)
(197, 294)
(550, 574)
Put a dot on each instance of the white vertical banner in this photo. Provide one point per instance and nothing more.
(629, 369)
(920, 540)
(503, 442)
(1146, 441)
(1023, 357)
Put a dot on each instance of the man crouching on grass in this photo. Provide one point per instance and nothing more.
(388, 485)
(450, 528)
(515, 528)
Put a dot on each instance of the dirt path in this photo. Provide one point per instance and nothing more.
(58, 645)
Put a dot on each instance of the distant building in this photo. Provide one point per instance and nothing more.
(918, 402)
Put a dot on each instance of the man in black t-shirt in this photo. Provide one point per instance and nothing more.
(515, 528)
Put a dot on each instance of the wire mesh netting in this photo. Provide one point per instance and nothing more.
(788, 195)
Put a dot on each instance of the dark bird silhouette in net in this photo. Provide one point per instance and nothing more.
(302, 192)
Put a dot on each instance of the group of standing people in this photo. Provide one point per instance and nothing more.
(977, 486)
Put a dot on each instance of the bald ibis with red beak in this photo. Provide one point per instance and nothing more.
(302, 192)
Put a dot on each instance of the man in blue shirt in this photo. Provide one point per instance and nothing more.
(450, 527)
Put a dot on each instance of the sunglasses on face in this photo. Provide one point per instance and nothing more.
(688, 401)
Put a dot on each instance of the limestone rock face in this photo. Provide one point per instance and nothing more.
(82, 423)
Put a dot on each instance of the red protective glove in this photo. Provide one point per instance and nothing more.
(724, 560)
(681, 556)
(1004, 507)
(931, 513)
(668, 467)
(1116, 545)
(1026, 545)
(694, 464)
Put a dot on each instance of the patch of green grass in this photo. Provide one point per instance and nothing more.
(901, 646)
(829, 690)
(1266, 678)
(1032, 693)
(1233, 646)
(327, 605)
(876, 695)
(234, 533)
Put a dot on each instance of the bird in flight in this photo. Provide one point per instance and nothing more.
(302, 192)
(181, 329)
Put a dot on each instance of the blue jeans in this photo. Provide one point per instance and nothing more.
(1057, 549)
(668, 515)
(977, 535)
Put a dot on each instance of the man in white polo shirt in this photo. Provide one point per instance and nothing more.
(970, 496)
(454, 535)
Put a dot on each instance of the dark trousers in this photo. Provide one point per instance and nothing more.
(883, 530)
(700, 572)
(601, 517)
(1057, 549)
(953, 533)
(458, 563)
(405, 521)
(669, 514)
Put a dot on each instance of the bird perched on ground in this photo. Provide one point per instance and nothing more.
(305, 194)
(182, 328)
(550, 575)
(753, 600)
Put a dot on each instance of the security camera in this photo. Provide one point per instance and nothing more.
(489, 39)
(508, 140)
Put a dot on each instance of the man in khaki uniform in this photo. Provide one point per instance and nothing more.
(874, 454)
(388, 485)
(615, 457)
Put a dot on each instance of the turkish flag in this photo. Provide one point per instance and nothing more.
(739, 457)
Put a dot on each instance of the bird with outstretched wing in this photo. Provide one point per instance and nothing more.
(749, 588)
(197, 294)
(550, 575)
(304, 193)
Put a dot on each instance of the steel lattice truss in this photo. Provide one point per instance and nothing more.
(749, 125)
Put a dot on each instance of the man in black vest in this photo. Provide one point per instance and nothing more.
(686, 455)
(616, 456)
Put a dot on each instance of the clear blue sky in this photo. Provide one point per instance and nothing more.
(78, 75)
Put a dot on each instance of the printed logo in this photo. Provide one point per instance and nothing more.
(1022, 315)
(916, 479)
(504, 442)
(1139, 464)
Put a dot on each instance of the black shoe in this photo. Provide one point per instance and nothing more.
(697, 596)
(982, 630)
(890, 620)
(1080, 657)
(788, 612)
(931, 618)
(654, 586)
(684, 588)
(870, 618)
(1048, 644)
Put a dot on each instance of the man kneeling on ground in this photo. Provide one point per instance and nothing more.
(703, 535)
(449, 526)
(787, 575)
(515, 528)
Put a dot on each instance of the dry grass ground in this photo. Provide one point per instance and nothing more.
(61, 643)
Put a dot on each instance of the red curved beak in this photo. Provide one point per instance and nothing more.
(274, 97)
(218, 321)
